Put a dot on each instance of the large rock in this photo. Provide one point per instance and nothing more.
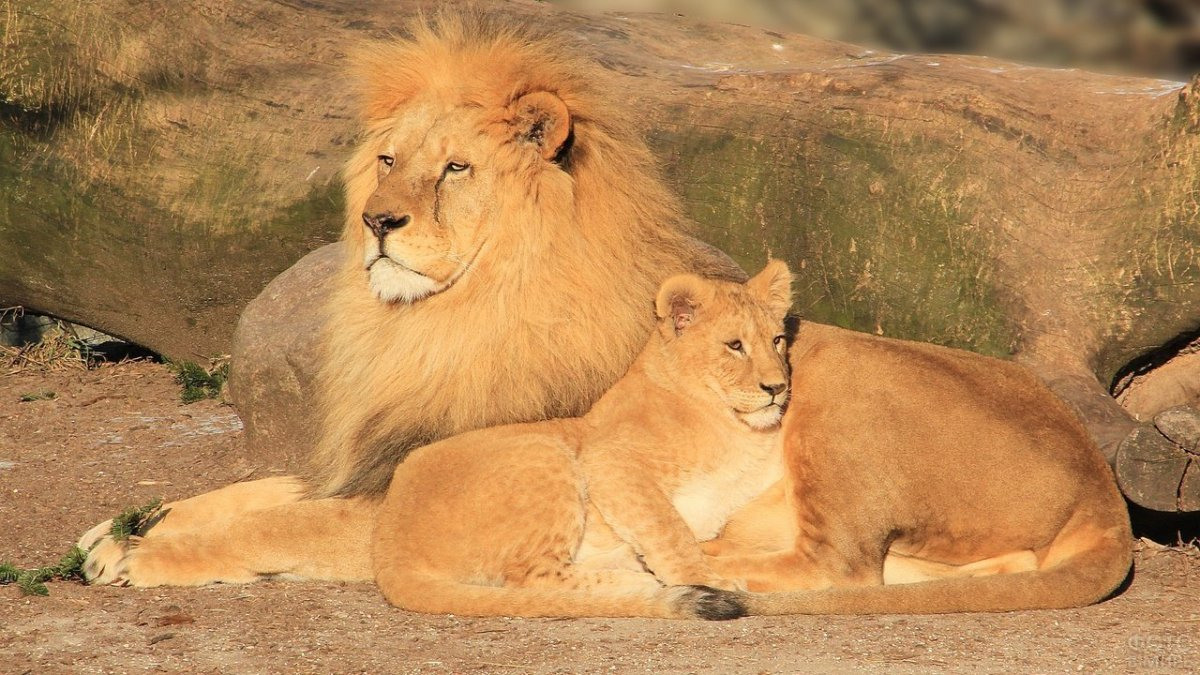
(277, 353)
(960, 200)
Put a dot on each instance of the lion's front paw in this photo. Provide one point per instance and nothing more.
(157, 561)
(106, 559)
(94, 535)
(1158, 465)
(105, 555)
(127, 561)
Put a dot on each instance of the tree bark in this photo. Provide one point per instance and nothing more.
(160, 162)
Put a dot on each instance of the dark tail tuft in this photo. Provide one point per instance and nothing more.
(714, 604)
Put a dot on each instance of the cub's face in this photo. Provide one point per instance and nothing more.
(745, 362)
(729, 338)
(425, 224)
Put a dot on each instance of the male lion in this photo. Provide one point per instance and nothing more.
(565, 517)
(958, 478)
(506, 232)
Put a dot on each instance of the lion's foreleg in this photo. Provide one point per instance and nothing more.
(199, 512)
(325, 539)
(767, 523)
(194, 515)
(793, 570)
(775, 571)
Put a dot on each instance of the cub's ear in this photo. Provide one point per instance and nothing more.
(542, 119)
(678, 299)
(774, 286)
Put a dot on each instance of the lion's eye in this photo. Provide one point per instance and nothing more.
(457, 167)
(735, 345)
(387, 160)
(779, 340)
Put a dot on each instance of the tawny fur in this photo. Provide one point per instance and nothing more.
(572, 517)
(909, 462)
(553, 309)
(545, 312)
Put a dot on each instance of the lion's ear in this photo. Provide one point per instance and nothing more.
(774, 286)
(678, 299)
(542, 119)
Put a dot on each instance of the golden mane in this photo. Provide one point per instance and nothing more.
(559, 306)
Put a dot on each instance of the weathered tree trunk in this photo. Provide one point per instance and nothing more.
(160, 162)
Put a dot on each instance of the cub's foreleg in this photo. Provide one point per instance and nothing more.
(639, 512)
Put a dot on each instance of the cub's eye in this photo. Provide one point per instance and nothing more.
(387, 160)
(457, 167)
(734, 345)
(780, 340)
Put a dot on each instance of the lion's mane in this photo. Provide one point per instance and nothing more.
(555, 310)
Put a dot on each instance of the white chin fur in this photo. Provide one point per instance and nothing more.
(763, 418)
(392, 283)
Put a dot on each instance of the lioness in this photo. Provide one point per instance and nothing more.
(557, 518)
(909, 462)
(506, 230)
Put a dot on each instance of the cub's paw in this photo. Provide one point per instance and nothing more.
(711, 604)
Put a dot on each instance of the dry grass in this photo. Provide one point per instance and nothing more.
(59, 349)
(1181, 546)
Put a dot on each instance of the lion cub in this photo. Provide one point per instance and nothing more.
(600, 515)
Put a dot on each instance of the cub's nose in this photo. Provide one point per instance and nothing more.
(774, 389)
(382, 223)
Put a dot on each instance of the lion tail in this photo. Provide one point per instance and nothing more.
(418, 591)
(1082, 579)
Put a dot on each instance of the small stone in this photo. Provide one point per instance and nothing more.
(1182, 426)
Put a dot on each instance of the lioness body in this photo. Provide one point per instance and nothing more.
(571, 517)
(909, 462)
(505, 232)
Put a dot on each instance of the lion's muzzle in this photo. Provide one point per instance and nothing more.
(383, 222)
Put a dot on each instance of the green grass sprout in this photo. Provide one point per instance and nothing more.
(131, 520)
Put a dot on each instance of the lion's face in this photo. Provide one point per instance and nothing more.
(426, 221)
(730, 338)
(439, 173)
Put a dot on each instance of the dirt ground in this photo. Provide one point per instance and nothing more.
(117, 436)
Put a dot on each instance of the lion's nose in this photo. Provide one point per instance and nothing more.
(382, 223)
(774, 389)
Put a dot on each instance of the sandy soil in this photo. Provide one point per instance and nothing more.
(117, 436)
